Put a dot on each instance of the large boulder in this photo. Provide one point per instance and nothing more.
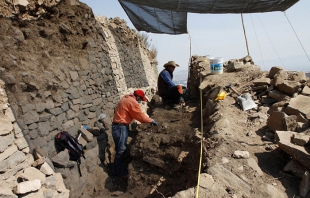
(288, 87)
(306, 91)
(279, 121)
(300, 104)
(273, 71)
(299, 153)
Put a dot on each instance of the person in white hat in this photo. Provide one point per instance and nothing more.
(167, 90)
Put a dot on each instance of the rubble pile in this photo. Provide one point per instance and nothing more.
(29, 9)
(237, 65)
(287, 94)
(252, 143)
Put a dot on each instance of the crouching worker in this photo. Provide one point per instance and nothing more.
(127, 109)
(167, 90)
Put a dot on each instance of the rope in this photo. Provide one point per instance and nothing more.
(246, 40)
(258, 43)
(270, 41)
(201, 143)
(196, 46)
(296, 36)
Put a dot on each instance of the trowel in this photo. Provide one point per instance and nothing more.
(244, 100)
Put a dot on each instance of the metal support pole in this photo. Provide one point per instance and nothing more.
(190, 58)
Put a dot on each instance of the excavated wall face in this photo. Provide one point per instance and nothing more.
(62, 68)
(198, 64)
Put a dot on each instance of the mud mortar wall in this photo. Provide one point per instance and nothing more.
(62, 68)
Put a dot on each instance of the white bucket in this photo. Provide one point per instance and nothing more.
(216, 65)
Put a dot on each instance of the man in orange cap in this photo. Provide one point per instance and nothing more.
(167, 90)
(127, 110)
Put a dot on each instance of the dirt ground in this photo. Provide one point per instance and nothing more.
(169, 150)
(168, 154)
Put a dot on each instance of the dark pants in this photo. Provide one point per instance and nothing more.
(120, 136)
(172, 96)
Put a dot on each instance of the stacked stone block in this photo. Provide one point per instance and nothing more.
(138, 70)
(62, 72)
(20, 175)
(198, 64)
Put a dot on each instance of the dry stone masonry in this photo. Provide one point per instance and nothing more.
(61, 68)
(20, 173)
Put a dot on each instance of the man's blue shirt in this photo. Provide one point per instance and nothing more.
(167, 78)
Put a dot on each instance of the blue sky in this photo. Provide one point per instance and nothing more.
(271, 39)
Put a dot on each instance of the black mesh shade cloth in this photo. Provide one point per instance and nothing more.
(170, 16)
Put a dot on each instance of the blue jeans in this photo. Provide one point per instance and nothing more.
(120, 136)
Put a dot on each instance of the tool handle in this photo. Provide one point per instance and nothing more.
(235, 91)
(79, 136)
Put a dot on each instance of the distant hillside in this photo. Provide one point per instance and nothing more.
(308, 75)
(180, 75)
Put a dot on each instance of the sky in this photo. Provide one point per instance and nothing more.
(271, 39)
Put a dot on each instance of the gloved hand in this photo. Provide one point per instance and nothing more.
(153, 123)
(180, 90)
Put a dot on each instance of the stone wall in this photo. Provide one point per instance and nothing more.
(61, 69)
(198, 64)
(20, 174)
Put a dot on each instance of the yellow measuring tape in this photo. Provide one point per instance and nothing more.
(201, 142)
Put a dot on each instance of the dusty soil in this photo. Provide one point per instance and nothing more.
(169, 154)
(154, 152)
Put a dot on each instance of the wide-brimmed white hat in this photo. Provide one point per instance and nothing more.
(171, 63)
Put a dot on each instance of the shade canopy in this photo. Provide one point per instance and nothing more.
(170, 16)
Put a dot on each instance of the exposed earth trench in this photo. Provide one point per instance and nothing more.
(165, 159)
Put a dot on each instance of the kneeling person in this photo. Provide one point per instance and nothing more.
(167, 90)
